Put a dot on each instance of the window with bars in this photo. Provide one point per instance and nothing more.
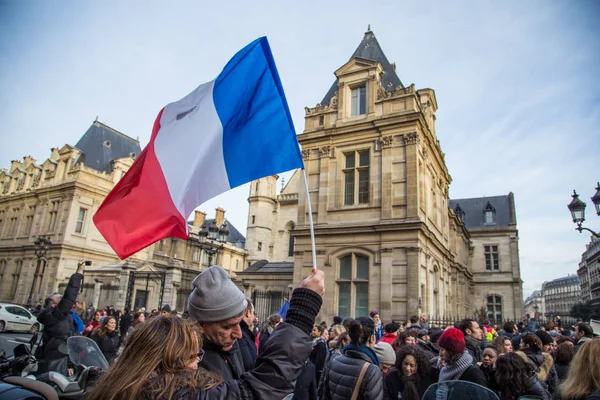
(53, 214)
(359, 101)
(80, 220)
(492, 262)
(494, 308)
(356, 177)
(291, 241)
(353, 286)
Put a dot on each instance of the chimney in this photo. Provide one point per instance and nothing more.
(219, 216)
(199, 218)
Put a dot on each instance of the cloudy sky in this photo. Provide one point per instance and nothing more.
(516, 83)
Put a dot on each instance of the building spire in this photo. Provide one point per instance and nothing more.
(368, 28)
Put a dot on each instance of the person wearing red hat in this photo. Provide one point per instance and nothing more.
(459, 363)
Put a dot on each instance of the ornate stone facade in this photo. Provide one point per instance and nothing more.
(58, 198)
(386, 237)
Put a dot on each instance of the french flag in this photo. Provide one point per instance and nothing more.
(227, 132)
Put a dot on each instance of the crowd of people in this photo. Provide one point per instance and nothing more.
(216, 350)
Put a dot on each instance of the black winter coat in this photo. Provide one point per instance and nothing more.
(393, 385)
(562, 370)
(544, 368)
(265, 334)
(306, 384)
(427, 349)
(108, 344)
(318, 356)
(247, 347)
(280, 364)
(125, 323)
(58, 323)
(342, 375)
(472, 374)
(229, 365)
(474, 348)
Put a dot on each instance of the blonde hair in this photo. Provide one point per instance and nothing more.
(155, 363)
(337, 330)
(584, 373)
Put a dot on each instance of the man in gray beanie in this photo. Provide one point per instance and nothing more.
(218, 306)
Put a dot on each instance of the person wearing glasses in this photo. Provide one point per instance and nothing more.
(165, 357)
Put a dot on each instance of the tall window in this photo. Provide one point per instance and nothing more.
(291, 241)
(80, 220)
(28, 222)
(353, 286)
(39, 277)
(53, 215)
(1, 221)
(494, 308)
(15, 278)
(359, 101)
(356, 177)
(12, 227)
(491, 258)
(436, 289)
(259, 247)
(2, 270)
(195, 255)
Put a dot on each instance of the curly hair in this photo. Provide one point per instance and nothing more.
(423, 368)
(513, 376)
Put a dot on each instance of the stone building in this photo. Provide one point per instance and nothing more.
(386, 235)
(536, 304)
(560, 296)
(589, 272)
(57, 199)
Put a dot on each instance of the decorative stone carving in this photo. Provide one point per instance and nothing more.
(411, 138)
(320, 109)
(384, 142)
(306, 154)
(325, 151)
(334, 100)
(382, 93)
(425, 154)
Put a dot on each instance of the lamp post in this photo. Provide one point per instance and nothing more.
(577, 209)
(213, 233)
(41, 246)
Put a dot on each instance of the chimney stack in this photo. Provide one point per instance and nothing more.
(199, 218)
(219, 216)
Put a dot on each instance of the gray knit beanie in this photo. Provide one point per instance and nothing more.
(215, 297)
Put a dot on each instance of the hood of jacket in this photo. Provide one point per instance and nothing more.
(542, 363)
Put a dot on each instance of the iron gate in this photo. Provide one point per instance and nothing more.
(147, 276)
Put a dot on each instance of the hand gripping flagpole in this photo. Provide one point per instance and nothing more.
(310, 222)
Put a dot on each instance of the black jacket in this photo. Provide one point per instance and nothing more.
(282, 361)
(544, 368)
(306, 384)
(427, 349)
(265, 334)
(125, 323)
(108, 344)
(342, 375)
(247, 347)
(318, 356)
(58, 323)
(474, 348)
(229, 365)
(562, 370)
(393, 385)
(472, 374)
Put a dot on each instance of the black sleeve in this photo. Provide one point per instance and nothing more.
(304, 307)
(476, 376)
(61, 311)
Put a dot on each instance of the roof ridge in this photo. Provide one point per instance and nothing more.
(114, 130)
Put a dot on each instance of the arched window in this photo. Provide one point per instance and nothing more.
(494, 308)
(291, 240)
(353, 286)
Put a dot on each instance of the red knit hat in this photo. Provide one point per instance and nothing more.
(453, 340)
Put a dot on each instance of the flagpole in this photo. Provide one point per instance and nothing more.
(310, 222)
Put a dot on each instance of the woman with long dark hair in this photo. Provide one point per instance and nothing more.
(410, 377)
(562, 357)
(107, 337)
(405, 338)
(357, 369)
(514, 377)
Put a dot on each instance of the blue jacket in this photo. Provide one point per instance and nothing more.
(247, 347)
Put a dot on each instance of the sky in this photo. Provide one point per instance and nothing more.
(516, 84)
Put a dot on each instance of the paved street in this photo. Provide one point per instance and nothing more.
(8, 342)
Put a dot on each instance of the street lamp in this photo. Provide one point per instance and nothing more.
(213, 233)
(41, 246)
(577, 209)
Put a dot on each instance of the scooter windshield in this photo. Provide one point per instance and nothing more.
(84, 351)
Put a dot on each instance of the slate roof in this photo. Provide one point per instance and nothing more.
(102, 144)
(234, 236)
(370, 49)
(474, 211)
(564, 281)
(266, 267)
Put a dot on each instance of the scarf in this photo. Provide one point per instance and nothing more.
(474, 345)
(452, 372)
(77, 322)
(410, 391)
(365, 350)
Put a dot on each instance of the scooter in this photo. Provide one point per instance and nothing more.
(88, 361)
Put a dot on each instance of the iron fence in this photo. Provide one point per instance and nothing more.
(268, 302)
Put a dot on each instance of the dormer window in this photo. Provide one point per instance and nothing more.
(459, 212)
(359, 101)
(489, 214)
